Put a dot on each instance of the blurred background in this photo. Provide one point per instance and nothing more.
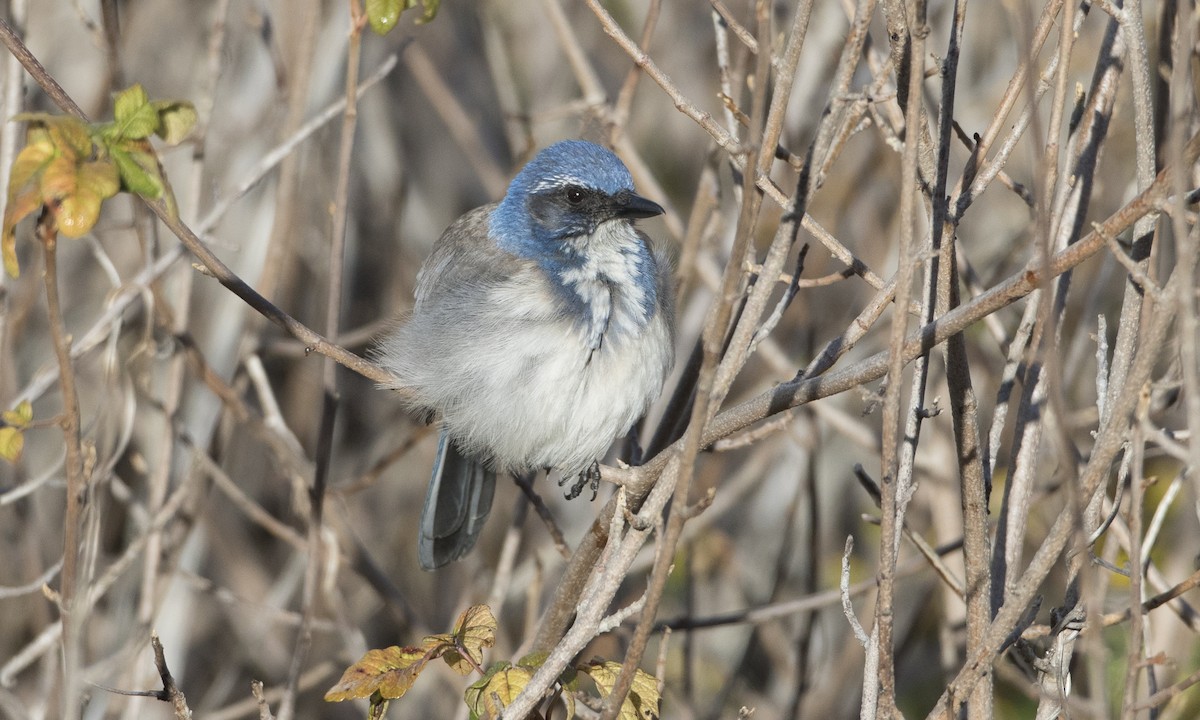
(200, 418)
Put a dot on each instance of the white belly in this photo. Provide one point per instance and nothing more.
(550, 400)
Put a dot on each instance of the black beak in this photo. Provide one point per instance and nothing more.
(630, 205)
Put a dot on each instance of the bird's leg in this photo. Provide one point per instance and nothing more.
(591, 477)
(633, 449)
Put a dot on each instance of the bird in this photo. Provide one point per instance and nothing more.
(542, 330)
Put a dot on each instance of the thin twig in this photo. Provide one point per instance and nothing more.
(171, 691)
(77, 481)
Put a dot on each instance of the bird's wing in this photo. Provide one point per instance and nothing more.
(461, 256)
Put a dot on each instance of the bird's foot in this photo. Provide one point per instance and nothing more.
(591, 477)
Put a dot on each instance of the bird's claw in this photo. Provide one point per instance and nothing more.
(591, 477)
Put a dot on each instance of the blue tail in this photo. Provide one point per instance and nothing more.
(456, 506)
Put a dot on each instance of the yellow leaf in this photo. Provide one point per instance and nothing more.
(30, 161)
(101, 177)
(474, 631)
(12, 441)
(176, 120)
(77, 213)
(496, 691)
(389, 672)
(19, 417)
(642, 702)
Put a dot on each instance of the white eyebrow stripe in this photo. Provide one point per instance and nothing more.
(560, 180)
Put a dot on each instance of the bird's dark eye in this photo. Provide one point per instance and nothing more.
(574, 194)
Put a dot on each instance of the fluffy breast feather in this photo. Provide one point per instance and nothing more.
(517, 378)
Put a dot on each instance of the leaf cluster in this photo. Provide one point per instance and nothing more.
(387, 674)
(384, 14)
(71, 167)
(12, 430)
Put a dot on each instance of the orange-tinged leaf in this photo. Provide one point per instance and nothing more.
(70, 136)
(100, 176)
(76, 214)
(59, 178)
(12, 441)
(64, 134)
(18, 417)
(390, 672)
(474, 631)
(8, 252)
(643, 700)
(496, 690)
(21, 202)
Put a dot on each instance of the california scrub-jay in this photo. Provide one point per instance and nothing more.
(542, 330)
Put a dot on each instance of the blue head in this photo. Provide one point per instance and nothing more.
(563, 194)
(571, 209)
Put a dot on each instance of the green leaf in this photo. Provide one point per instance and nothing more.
(129, 101)
(177, 118)
(383, 14)
(139, 171)
(429, 10)
(533, 660)
(12, 441)
(134, 118)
